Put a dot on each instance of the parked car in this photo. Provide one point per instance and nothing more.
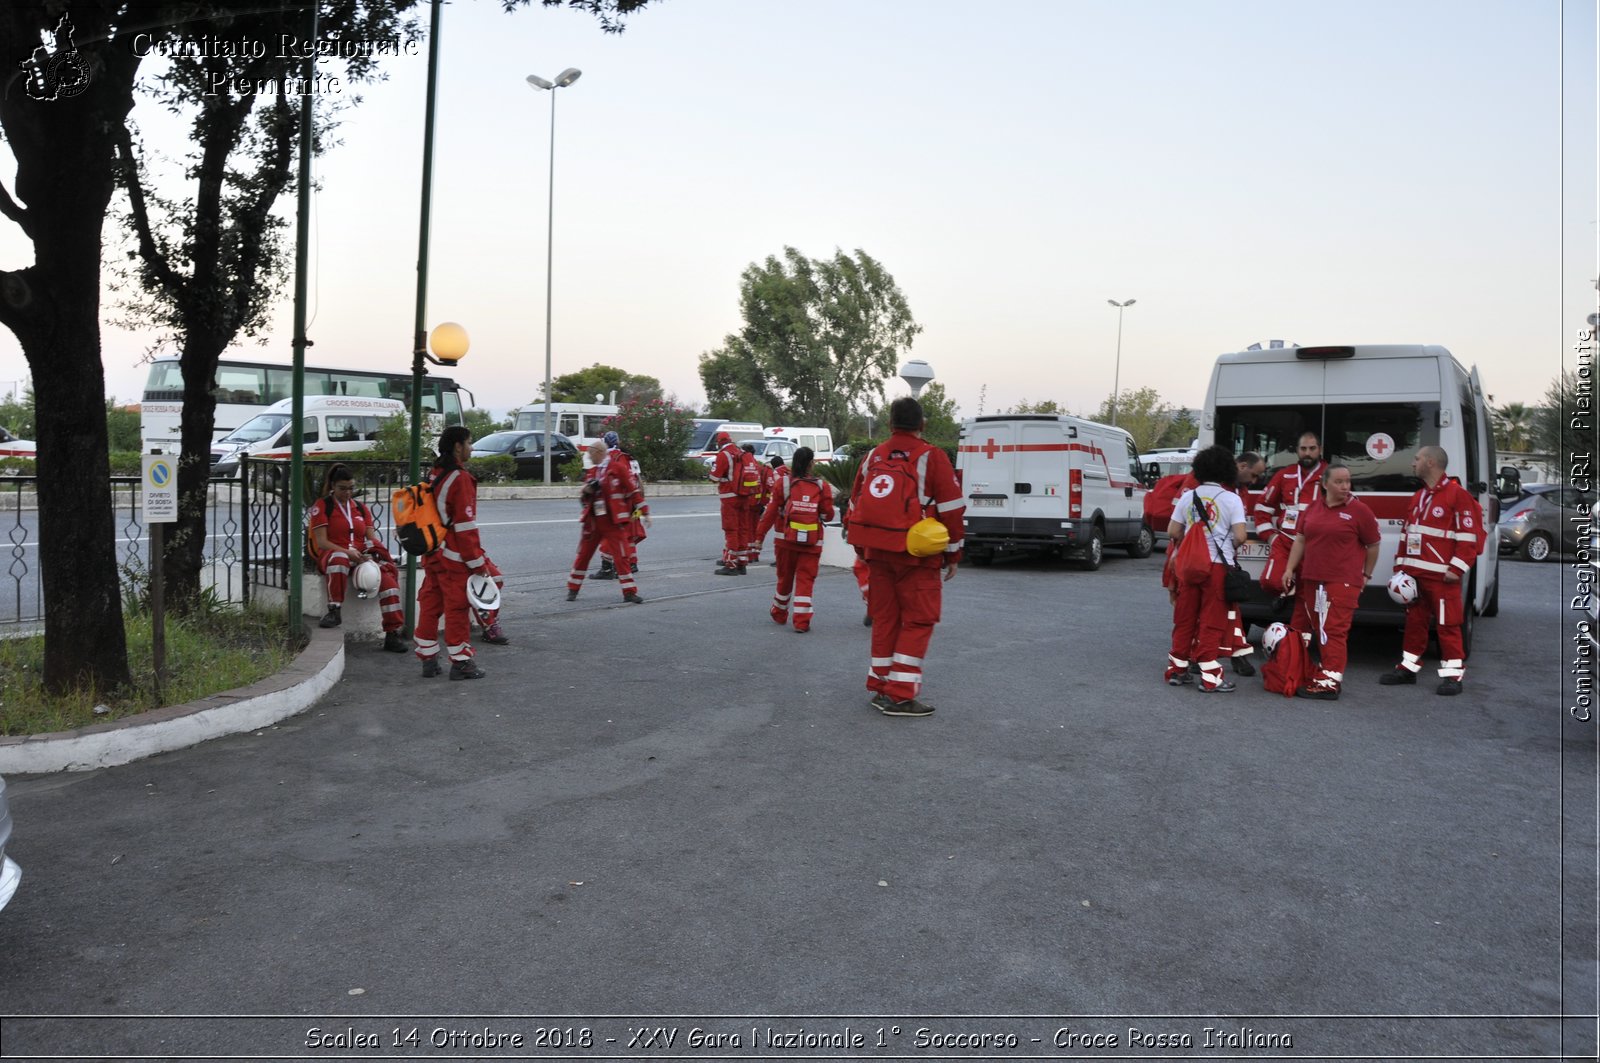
(528, 449)
(10, 873)
(1543, 521)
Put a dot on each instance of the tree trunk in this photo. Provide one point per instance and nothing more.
(63, 149)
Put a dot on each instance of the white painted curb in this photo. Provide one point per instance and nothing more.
(293, 690)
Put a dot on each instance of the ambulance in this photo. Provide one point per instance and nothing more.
(1051, 483)
(1372, 406)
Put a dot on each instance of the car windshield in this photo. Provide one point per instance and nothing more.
(261, 426)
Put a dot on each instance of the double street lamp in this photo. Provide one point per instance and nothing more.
(1116, 380)
(563, 79)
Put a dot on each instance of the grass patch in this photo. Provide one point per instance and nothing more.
(206, 654)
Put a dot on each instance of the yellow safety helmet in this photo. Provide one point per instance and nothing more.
(927, 537)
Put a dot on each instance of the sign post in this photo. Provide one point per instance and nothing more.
(159, 507)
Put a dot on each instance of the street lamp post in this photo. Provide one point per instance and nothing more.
(563, 79)
(1116, 379)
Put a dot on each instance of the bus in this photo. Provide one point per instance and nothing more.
(243, 389)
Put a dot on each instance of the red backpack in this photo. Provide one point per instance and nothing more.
(802, 512)
(1289, 667)
(890, 499)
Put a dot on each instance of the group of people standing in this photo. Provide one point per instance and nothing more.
(1323, 545)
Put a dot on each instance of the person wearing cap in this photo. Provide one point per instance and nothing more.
(340, 535)
(801, 504)
(904, 594)
(444, 589)
(734, 473)
(609, 501)
(1443, 537)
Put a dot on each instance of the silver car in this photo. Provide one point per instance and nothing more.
(10, 873)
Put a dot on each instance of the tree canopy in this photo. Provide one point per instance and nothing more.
(820, 337)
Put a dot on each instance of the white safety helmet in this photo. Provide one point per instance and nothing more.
(1403, 588)
(367, 578)
(482, 592)
(1272, 636)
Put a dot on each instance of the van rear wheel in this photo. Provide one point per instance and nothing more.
(1145, 544)
(1094, 551)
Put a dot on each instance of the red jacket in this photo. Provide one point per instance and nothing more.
(455, 491)
(1289, 486)
(801, 537)
(940, 495)
(1444, 531)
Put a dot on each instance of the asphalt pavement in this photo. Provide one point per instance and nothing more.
(679, 816)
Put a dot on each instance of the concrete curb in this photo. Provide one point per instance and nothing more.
(295, 689)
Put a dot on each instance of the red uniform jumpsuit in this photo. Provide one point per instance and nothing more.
(444, 590)
(798, 545)
(608, 523)
(904, 593)
(728, 470)
(1329, 581)
(1289, 491)
(1444, 533)
(347, 526)
(758, 506)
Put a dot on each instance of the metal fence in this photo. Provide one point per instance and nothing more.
(247, 531)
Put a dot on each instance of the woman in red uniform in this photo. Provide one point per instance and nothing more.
(1335, 549)
(341, 534)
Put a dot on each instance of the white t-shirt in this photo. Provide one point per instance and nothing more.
(1223, 509)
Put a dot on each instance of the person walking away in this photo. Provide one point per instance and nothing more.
(1444, 535)
(903, 480)
(736, 481)
(758, 503)
(444, 587)
(1335, 549)
(609, 500)
(800, 506)
(1291, 490)
(341, 534)
(1200, 610)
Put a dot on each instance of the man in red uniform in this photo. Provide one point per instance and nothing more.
(1290, 491)
(736, 478)
(609, 501)
(800, 506)
(1335, 548)
(903, 480)
(444, 590)
(1443, 537)
(340, 535)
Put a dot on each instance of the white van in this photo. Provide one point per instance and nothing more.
(581, 422)
(702, 444)
(1372, 406)
(331, 425)
(1051, 482)
(820, 440)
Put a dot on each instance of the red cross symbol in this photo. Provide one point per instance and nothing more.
(1381, 446)
(989, 450)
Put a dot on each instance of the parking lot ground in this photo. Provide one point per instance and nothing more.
(681, 815)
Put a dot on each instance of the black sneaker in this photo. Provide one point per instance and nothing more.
(332, 619)
(572, 596)
(1242, 665)
(466, 670)
(910, 707)
(393, 643)
(632, 598)
(1449, 687)
(430, 668)
(725, 570)
(1398, 677)
(1224, 687)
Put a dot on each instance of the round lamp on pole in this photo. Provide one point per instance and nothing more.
(449, 342)
(917, 374)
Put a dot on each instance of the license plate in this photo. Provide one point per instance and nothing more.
(979, 503)
(1253, 549)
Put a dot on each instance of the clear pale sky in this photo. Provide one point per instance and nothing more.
(1408, 171)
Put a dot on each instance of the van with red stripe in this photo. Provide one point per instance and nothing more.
(1051, 483)
(1372, 406)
